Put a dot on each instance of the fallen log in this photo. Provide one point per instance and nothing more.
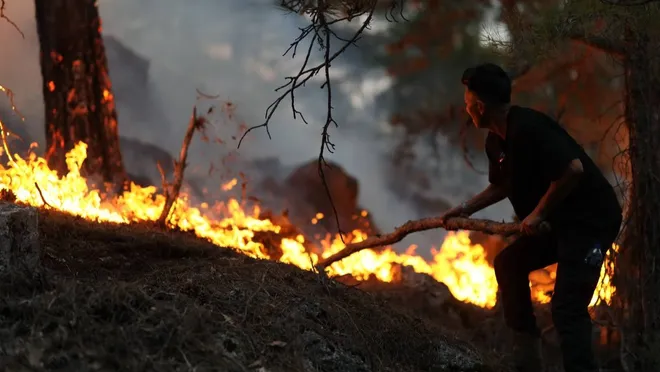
(457, 223)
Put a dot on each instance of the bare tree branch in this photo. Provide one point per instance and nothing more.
(4, 133)
(324, 14)
(3, 6)
(172, 194)
(316, 30)
(325, 137)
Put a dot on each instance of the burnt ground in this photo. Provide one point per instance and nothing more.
(134, 298)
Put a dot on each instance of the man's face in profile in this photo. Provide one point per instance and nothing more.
(474, 108)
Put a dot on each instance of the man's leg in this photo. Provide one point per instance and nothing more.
(512, 268)
(574, 288)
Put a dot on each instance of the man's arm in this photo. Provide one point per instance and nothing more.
(559, 189)
(491, 195)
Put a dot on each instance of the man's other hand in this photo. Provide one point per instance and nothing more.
(458, 211)
(534, 224)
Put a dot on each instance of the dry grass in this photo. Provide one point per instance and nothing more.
(134, 298)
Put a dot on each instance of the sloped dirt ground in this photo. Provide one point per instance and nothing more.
(132, 298)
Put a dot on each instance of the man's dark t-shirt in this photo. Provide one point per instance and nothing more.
(535, 152)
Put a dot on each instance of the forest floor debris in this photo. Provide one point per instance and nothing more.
(137, 298)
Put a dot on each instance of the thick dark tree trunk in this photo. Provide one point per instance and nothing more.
(638, 265)
(77, 92)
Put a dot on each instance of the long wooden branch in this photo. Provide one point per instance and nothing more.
(485, 226)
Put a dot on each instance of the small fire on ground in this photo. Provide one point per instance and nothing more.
(458, 263)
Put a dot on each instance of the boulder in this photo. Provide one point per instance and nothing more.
(307, 196)
(19, 239)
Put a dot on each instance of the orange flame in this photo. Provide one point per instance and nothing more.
(229, 185)
(459, 264)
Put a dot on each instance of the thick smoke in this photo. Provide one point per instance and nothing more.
(234, 49)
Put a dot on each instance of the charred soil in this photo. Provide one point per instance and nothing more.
(118, 297)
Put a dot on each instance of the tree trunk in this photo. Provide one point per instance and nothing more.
(638, 265)
(79, 105)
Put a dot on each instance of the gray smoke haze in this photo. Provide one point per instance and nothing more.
(234, 48)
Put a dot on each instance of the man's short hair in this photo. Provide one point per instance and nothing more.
(489, 82)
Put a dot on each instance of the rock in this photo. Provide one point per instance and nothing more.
(307, 196)
(19, 239)
(343, 187)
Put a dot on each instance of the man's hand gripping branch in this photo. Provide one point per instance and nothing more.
(491, 195)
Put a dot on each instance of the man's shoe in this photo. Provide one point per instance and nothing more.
(527, 353)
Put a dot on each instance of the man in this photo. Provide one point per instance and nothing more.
(550, 182)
